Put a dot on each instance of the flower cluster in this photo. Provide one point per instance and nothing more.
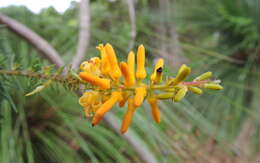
(123, 83)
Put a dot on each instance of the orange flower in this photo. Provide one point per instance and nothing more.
(105, 65)
(140, 93)
(128, 116)
(92, 66)
(105, 107)
(129, 78)
(131, 64)
(95, 80)
(115, 72)
(90, 100)
(140, 72)
(156, 77)
(105, 74)
(155, 109)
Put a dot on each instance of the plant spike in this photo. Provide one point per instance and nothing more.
(106, 82)
(121, 83)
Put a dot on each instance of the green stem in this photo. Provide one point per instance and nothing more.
(31, 75)
(63, 79)
(73, 80)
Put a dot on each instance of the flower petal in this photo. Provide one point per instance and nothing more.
(156, 77)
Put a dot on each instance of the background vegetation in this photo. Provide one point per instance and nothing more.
(221, 36)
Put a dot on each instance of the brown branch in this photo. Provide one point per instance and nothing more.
(46, 50)
(131, 11)
(84, 33)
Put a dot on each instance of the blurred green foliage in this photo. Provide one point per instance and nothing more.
(231, 28)
(221, 36)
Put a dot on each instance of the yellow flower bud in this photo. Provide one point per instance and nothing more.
(128, 116)
(156, 77)
(140, 72)
(183, 72)
(155, 109)
(115, 97)
(170, 89)
(95, 80)
(213, 86)
(129, 78)
(180, 94)
(203, 76)
(164, 96)
(140, 93)
(115, 72)
(195, 90)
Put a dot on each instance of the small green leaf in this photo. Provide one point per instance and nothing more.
(39, 88)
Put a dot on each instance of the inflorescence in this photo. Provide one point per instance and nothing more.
(123, 83)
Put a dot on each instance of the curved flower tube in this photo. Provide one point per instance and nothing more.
(128, 116)
(115, 72)
(95, 80)
(115, 97)
(155, 109)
